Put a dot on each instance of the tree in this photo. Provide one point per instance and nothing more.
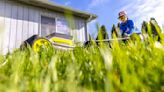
(152, 28)
(115, 32)
(144, 28)
(102, 33)
(155, 28)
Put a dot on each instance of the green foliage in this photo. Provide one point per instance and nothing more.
(134, 66)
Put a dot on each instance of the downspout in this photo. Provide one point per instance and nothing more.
(87, 34)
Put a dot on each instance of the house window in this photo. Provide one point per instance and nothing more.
(62, 26)
(48, 26)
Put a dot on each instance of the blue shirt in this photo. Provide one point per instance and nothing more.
(127, 27)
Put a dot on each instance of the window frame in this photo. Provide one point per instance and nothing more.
(43, 15)
(57, 18)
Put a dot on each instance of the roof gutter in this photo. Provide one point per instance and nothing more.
(91, 17)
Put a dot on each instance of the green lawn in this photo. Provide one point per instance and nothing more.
(133, 66)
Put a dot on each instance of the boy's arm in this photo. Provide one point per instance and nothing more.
(131, 25)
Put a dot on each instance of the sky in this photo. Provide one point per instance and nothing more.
(107, 11)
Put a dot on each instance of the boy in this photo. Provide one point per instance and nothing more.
(126, 25)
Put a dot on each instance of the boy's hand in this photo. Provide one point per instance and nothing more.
(125, 35)
(127, 30)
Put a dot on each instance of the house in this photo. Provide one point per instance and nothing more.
(20, 19)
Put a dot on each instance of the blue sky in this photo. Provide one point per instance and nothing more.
(107, 10)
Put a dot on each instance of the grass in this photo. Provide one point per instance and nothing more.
(132, 67)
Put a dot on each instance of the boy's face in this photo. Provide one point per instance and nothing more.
(123, 18)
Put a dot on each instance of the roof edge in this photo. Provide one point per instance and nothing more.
(59, 8)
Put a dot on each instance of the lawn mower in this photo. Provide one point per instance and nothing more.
(56, 40)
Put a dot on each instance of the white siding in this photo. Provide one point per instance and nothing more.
(25, 23)
(82, 30)
(19, 26)
(75, 32)
(31, 22)
(36, 22)
(2, 20)
(19, 22)
(13, 27)
(7, 30)
(78, 31)
(80, 25)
